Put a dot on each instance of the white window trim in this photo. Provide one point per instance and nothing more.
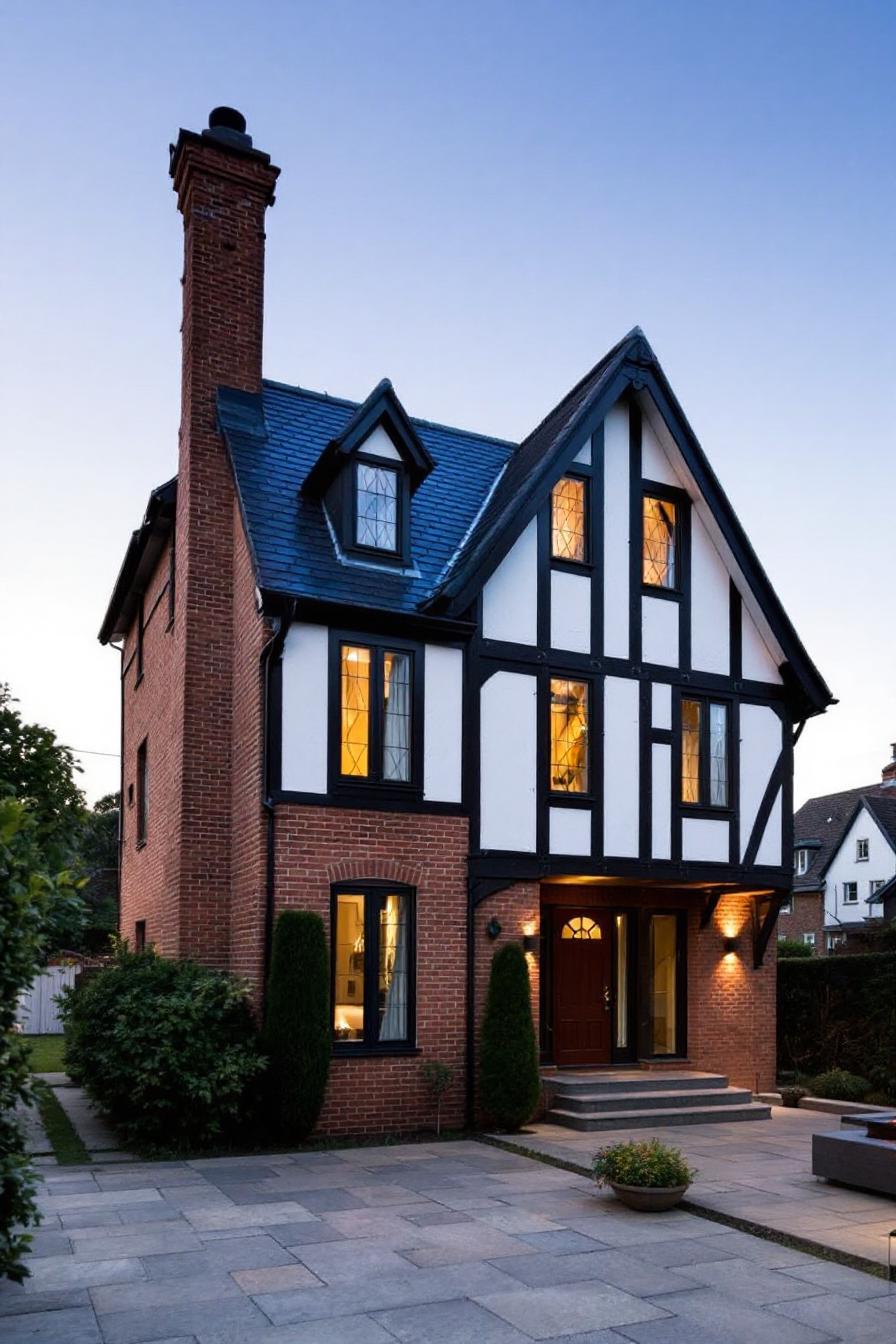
(861, 857)
(802, 862)
(809, 939)
(847, 899)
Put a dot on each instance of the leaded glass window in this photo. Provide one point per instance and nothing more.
(690, 751)
(376, 714)
(569, 736)
(373, 963)
(397, 716)
(569, 537)
(376, 507)
(581, 927)
(355, 715)
(718, 756)
(659, 553)
(704, 753)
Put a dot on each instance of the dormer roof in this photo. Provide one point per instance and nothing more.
(381, 409)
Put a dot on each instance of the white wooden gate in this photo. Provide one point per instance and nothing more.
(38, 1011)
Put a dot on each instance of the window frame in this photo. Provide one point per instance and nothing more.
(142, 794)
(400, 553)
(786, 907)
(667, 494)
(809, 939)
(704, 808)
(140, 935)
(850, 900)
(801, 862)
(561, 562)
(362, 786)
(564, 797)
(860, 856)
(373, 890)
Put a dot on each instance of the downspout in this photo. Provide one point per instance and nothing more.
(270, 654)
(119, 649)
(470, 1072)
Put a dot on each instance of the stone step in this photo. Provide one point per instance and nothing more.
(603, 1102)
(597, 1084)
(676, 1115)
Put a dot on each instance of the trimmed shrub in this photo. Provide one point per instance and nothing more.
(793, 947)
(297, 1037)
(647, 1163)
(509, 1085)
(166, 1048)
(838, 1085)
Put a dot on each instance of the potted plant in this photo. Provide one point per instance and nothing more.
(792, 1094)
(648, 1176)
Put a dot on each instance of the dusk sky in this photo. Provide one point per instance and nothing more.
(477, 200)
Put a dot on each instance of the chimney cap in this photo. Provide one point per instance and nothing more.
(228, 118)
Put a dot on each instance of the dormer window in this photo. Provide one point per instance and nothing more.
(377, 506)
(802, 862)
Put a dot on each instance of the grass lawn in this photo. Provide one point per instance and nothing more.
(46, 1053)
(67, 1147)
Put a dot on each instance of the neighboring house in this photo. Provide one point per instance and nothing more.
(844, 847)
(450, 691)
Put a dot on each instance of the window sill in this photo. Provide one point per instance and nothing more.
(581, 800)
(563, 566)
(704, 812)
(667, 594)
(361, 1051)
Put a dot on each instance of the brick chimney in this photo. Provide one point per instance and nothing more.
(224, 186)
(888, 774)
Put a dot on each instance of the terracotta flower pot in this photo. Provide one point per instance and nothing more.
(649, 1198)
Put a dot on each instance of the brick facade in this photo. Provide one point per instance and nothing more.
(806, 916)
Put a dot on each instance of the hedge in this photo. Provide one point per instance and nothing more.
(509, 1083)
(297, 1035)
(839, 1013)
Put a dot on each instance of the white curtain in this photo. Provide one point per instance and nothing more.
(397, 718)
(394, 951)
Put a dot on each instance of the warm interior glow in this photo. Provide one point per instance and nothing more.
(659, 543)
(348, 1008)
(690, 751)
(663, 975)
(568, 520)
(581, 927)
(528, 928)
(355, 709)
(569, 737)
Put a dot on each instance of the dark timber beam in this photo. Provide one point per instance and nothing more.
(765, 915)
(483, 887)
(710, 901)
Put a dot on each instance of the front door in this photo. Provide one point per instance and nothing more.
(582, 987)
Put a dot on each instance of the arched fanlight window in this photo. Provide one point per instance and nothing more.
(580, 926)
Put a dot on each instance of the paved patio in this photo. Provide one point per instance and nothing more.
(454, 1242)
(758, 1172)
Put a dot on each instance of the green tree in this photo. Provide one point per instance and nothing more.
(98, 858)
(40, 771)
(297, 1037)
(509, 1084)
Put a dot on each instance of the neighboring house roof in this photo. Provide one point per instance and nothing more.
(884, 893)
(821, 823)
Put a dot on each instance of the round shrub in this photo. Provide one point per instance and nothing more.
(297, 1037)
(648, 1163)
(509, 1085)
(166, 1048)
(839, 1085)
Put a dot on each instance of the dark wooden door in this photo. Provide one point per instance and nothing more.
(582, 987)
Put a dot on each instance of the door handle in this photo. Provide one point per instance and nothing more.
(607, 997)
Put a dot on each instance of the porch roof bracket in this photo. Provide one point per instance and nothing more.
(765, 915)
(710, 901)
(483, 887)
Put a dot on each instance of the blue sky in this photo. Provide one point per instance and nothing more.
(476, 201)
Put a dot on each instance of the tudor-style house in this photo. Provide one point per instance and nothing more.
(448, 690)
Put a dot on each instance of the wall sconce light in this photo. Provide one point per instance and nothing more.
(530, 937)
(730, 945)
(493, 928)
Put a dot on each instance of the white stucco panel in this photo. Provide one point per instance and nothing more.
(570, 611)
(846, 866)
(710, 600)
(768, 854)
(704, 840)
(616, 529)
(510, 597)
(661, 797)
(659, 631)
(304, 735)
(655, 465)
(570, 830)
(621, 785)
(758, 660)
(661, 702)
(443, 724)
(761, 739)
(508, 730)
(378, 444)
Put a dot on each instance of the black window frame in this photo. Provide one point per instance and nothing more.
(140, 935)
(363, 786)
(565, 797)
(142, 777)
(561, 562)
(400, 554)
(667, 494)
(704, 807)
(374, 890)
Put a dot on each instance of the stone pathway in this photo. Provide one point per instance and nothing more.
(760, 1173)
(454, 1243)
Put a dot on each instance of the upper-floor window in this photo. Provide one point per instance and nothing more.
(861, 851)
(142, 793)
(373, 966)
(569, 737)
(850, 893)
(704, 753)
(569, 520)
(659, 549)
(802, 862)
(875, 884)
(376, 713)
(377, 502)
(786, 907)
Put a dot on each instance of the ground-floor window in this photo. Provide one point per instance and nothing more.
(373, 956)
(663, 968)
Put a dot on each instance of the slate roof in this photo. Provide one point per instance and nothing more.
(827, 818)
(274, 440)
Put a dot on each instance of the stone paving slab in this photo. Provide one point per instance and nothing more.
(94, 1132)
(236, 1251)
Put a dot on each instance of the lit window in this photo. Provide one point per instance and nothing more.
(376, 507)
(850, 893)
(569, 538)
(375, 714)
(704, 753)
(861, 851)
(580, 926)
(569, 737)
(372, 967)
(802, 862)
(659, 553)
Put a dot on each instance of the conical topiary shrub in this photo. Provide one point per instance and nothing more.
(296, 1035)
(509, 1084)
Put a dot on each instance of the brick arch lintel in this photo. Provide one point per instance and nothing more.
(389, 870)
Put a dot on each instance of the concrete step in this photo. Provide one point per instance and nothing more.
(629, 1082)
(676, 1115)
(604, 1103)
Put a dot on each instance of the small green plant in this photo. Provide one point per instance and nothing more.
(296, 1035)
(650, 1164)
(839, 1085)
(509, 1084)
(437, 1079)
(793, 1095)
(793, 947)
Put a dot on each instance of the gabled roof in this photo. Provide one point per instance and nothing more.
(144, 549)
(825, 821)
(884, 893)
(381, 407)
(276, 437)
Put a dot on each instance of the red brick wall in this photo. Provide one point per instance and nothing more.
(517, 911)
(807, 916)
(317, 846)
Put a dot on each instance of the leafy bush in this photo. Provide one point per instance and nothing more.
(297, 1035)
(508, 1062)
(437, 1080)
(166, 1048)
(793, 947)
(839, 1013)
(648, 1163)
(838, 1085)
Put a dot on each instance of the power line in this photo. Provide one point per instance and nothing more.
(78, 752)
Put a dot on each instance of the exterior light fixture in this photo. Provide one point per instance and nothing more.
(493, 928)
(730, 945)
(530, 937)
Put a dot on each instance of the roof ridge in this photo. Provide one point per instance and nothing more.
(586, 378)
(841, 793)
